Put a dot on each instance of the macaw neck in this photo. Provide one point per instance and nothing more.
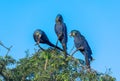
(59, 22)
(78, 37)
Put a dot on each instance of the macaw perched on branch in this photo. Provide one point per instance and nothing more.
(40, 37)
(61, 31)
(82, 45)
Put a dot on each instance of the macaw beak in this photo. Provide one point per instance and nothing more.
(57, 19)
(72, 34)
(38, 36)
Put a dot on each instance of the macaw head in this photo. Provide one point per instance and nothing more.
(38, 35)
(74, 33)
(59, 18)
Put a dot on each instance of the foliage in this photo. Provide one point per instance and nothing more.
(48, 65)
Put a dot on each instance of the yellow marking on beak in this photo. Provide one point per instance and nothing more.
(57, 19)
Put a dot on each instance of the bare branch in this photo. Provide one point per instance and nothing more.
(9, 50)
(40, 47)
(3, 45)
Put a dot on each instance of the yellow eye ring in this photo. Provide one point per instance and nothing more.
(73, 34)
(37, 33)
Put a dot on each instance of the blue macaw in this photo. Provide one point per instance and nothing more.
(61, 31)
(82, 45)
(40, 37)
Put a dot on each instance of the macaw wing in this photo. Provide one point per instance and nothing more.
(65, 32)
(86, 45)
(44, 38)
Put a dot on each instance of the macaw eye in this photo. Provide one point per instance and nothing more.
(37, 33)
(73, 34)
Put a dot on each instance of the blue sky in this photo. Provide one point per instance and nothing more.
(97, 20)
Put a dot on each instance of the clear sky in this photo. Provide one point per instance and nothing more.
(97, 20)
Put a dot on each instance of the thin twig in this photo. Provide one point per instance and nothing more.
(72, 49)
(80, 48)
(58, 38)
(40, 47)
(74, 52)
(3, 45)
(9, 50)
(46, 61)
(6, 47)
(57, 42)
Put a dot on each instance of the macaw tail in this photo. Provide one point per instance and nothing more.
(50, 44)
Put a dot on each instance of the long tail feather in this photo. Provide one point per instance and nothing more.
(54, 46)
